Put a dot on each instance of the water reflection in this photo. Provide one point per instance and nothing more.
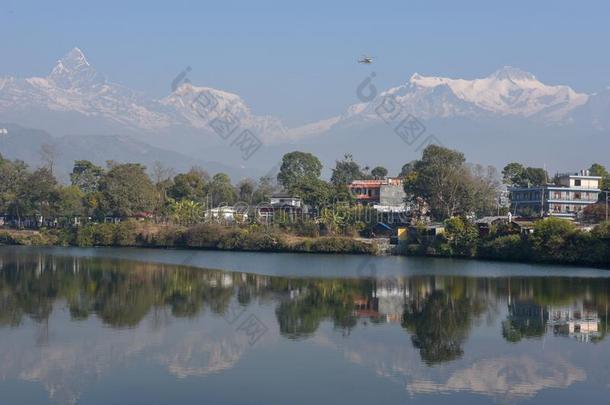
(67, 322)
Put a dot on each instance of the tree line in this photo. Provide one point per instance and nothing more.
(441, 180)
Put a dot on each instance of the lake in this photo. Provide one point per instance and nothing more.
(137, 326)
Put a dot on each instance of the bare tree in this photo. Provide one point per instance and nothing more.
(49, 155)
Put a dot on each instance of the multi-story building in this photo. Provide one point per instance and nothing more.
(565, 199)
(386, 192)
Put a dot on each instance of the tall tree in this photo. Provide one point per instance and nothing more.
(516, 175)
(189, 186)
(439, 177)
(126, 189)
(40, 191)
(49, 155)
(221, 191)
(86, 176)
(346, 171)
(246, 190)
(597, 169)
(297, 166)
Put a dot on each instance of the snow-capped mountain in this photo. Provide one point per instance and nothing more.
(196, 106)
(74, 87)
(508, 92)
(487, 118)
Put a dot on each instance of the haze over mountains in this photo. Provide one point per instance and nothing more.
(508, 116)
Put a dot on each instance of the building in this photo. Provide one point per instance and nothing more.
(226, 214)
(388, 194)
(566, 199)
(286, 203)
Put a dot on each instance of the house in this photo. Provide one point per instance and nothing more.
(385, 192)
(566, 199)
(282, 202)
(485, 224)
(226, 214)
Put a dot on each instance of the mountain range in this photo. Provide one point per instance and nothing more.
(508, 115)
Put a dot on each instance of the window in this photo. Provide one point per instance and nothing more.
(577, 196)
(577, 183)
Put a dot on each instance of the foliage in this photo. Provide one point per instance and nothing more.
(189, 186)
(346, 171)
(297, 167)
(186, 212)
(126, 189)
(515, 174)
(86, 176)
(379, 172)
(221, 191)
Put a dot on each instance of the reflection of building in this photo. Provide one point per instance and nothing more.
(573, 193)
(574, 321)
(386, 302)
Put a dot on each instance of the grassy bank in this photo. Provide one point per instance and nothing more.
(204, 236)
(552, 241)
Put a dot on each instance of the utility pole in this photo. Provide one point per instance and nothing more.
(607, 191)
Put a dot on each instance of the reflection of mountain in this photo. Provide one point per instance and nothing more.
(92, 315)
(506, 377)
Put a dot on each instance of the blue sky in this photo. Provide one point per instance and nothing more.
(297, 60)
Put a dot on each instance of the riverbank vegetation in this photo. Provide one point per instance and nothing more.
(202, 236)
(552, 240)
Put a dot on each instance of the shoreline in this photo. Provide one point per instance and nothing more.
(269, 241)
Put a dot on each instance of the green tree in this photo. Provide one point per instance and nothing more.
(126, 189)
(221, 191)
(407, 168)
(189, 186)
(297, 166)
(439, 178)
(186, 212)
(70, 202)
(13, 176)
(86, 176)
(346, 171)
(313, 191)
(536, 176)
(597, 169)
(246, 189)
(513, 174)
(379, 172)
(39, 192)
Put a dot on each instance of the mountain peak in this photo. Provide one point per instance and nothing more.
(73, 70)
(512, 73)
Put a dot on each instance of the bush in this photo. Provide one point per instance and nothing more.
(307, 228)
(508, 247)
(335, 244)
(204, 235)
(125, 234)
(84, 236)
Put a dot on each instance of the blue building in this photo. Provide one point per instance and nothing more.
(565, 199)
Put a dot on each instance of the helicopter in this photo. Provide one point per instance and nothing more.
(366, 60)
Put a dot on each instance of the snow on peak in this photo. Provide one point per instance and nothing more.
(74, 71)
(512, 73)
(508, 91)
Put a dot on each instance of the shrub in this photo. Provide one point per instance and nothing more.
(125, 234)
(508, 247)
(204, 235)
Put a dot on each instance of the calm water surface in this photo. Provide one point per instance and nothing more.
(129, 326)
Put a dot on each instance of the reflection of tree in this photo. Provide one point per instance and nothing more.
(321, 299)
(439, 312)
(439, 325)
